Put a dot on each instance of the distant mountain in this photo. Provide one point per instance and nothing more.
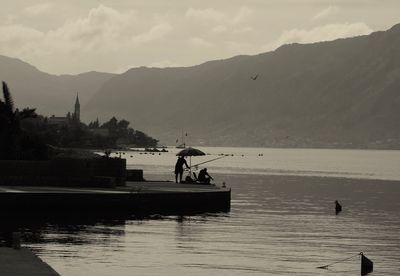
(343, 93)
(50, 94)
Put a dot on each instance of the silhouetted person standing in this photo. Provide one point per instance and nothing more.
(338, 207)
(179, 168)
(204, 176)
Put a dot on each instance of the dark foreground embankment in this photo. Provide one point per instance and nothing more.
(23, 262)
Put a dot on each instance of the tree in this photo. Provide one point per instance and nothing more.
(123, 124)
(94, 124)
(11, 134)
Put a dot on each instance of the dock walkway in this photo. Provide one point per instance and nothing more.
(18, 262)
(148, 196)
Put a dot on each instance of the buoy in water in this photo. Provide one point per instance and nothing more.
(367, 265)
(338, 207)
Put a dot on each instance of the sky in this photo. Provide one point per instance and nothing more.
(75, 36)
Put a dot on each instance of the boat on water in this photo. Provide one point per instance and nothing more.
(182, 143)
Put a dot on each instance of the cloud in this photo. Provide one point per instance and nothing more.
(219, 29)
(242, 15)
(205, 14)
(103, 31)
(325, 13)
(38, 9)
(320, 33)
(18, 40)
(18, 34)
(80, 38)
(247, 29)
(156, 32)
(212, 16)
(197, 41)
(237, 47)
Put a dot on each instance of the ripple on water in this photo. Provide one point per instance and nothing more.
(277, 226)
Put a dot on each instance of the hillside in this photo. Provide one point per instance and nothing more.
(50, 94)
(343, 93)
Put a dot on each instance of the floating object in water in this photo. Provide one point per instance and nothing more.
(367, 265)
(338, 207)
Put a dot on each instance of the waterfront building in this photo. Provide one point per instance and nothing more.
(59, 121)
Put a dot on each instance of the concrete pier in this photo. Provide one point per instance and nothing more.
(18, 262)
(135, 197)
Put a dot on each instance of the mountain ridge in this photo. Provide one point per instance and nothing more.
(50, 94)
(327, 94)
(340, 94)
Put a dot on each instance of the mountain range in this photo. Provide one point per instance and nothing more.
(338, 94)
(50, 94)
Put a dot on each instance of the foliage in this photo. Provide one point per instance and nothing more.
(121, 133)
(111, 134)
(15, 142)
(25, 135)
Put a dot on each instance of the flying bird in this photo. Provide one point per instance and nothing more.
(254, 77)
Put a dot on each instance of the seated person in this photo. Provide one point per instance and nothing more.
(204, 177)
(189, 180)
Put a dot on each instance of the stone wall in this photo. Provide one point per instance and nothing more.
(64, 172)
(134, 175)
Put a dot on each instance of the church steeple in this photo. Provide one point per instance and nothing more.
(77, 113)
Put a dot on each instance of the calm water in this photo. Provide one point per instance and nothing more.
(282, 220)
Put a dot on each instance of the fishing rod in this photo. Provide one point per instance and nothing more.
(195, 166)
(367, 265)
(339, 261)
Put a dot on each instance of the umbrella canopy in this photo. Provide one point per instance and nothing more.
(190, 152)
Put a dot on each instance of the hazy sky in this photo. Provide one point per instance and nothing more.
(74, 36)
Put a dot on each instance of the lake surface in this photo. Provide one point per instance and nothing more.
(282, 220)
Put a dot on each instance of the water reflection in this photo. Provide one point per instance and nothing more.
(65, 228)
(80, 229)
(278, 225)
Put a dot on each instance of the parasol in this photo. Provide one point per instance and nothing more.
(190, 152)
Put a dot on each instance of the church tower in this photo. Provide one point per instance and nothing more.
(77, 113)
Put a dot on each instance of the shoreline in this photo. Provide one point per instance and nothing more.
(136, 197)
(266, 174)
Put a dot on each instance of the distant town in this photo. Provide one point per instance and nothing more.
(28, 135)
(70, 131)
